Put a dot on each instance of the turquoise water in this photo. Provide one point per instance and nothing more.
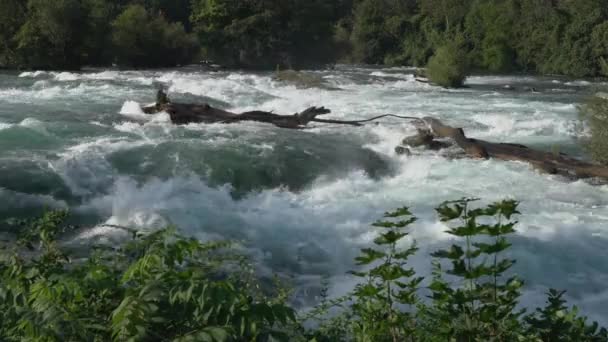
(300, 201)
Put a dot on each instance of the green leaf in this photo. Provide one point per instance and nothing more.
(391, 225)
(369, 256)
(389, 238)
(499, 246)
(455, 253)
(405, 211)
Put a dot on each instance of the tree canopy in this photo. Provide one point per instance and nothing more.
(550, 37)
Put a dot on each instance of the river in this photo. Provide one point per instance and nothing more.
(301, 202)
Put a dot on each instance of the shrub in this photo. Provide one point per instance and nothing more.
(595, 114)
(448, 67)
(158, 287)
(473, 299)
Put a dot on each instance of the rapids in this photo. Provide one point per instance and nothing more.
(301, 201)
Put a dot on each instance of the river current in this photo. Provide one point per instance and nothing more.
(301, 202)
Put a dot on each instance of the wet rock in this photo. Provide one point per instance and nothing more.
(403, 151)
(423, 138)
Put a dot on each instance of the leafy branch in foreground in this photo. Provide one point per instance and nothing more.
(161, 286)
(158, 287)
(472, 299)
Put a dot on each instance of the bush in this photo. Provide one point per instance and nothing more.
(595, 114)
(448, 67)
(164, 287)
(158, 287)
(142, 40)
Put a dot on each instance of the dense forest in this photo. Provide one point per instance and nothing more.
(567, 37)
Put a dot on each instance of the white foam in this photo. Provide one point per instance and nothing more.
(66, 77)
(579, 83)
(133, 110)
(390, 75)
(33, 74)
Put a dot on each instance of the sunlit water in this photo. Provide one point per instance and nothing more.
(300, 201)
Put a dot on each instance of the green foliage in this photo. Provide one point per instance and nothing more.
(377, 26)
(144, 40)
(484, 307)
(161, 286)
(550, 37)
(388, 285)
(264, 34)
(448, 67)
(557, 322)
(473, 299)
(599, 41)
(595, 115)
(485, 25)
(12, 16)
(52, 35)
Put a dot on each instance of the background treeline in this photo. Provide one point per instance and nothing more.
(547, 36)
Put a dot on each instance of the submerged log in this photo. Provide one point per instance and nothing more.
(548, 162)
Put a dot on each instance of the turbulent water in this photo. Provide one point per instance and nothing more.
(300, 201)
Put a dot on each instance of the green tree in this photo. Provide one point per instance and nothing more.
(599, 43)
(448, 15)
(487, 26)
(12, 16)
(265, 33)
(379, 28)
(594, 113)
(53, 35)
(143, 40)
(448, 67)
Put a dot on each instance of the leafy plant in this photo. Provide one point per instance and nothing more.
(161, 286)
(483, 305)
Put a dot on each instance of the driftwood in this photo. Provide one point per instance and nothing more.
(552, 163)
(183, 113)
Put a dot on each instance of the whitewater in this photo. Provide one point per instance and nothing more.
(301, 202)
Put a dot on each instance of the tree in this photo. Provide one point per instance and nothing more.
(448, 15)
(594, 113)
(143, 40)
(53, 35)
(448, 67)
(599, 43)
(487, 26)
(265, 33)
(12, 16)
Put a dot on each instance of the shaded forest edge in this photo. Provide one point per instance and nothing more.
(162, 286)
(548, 37)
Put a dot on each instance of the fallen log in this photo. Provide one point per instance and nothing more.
(183, 113)
(552, 163)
